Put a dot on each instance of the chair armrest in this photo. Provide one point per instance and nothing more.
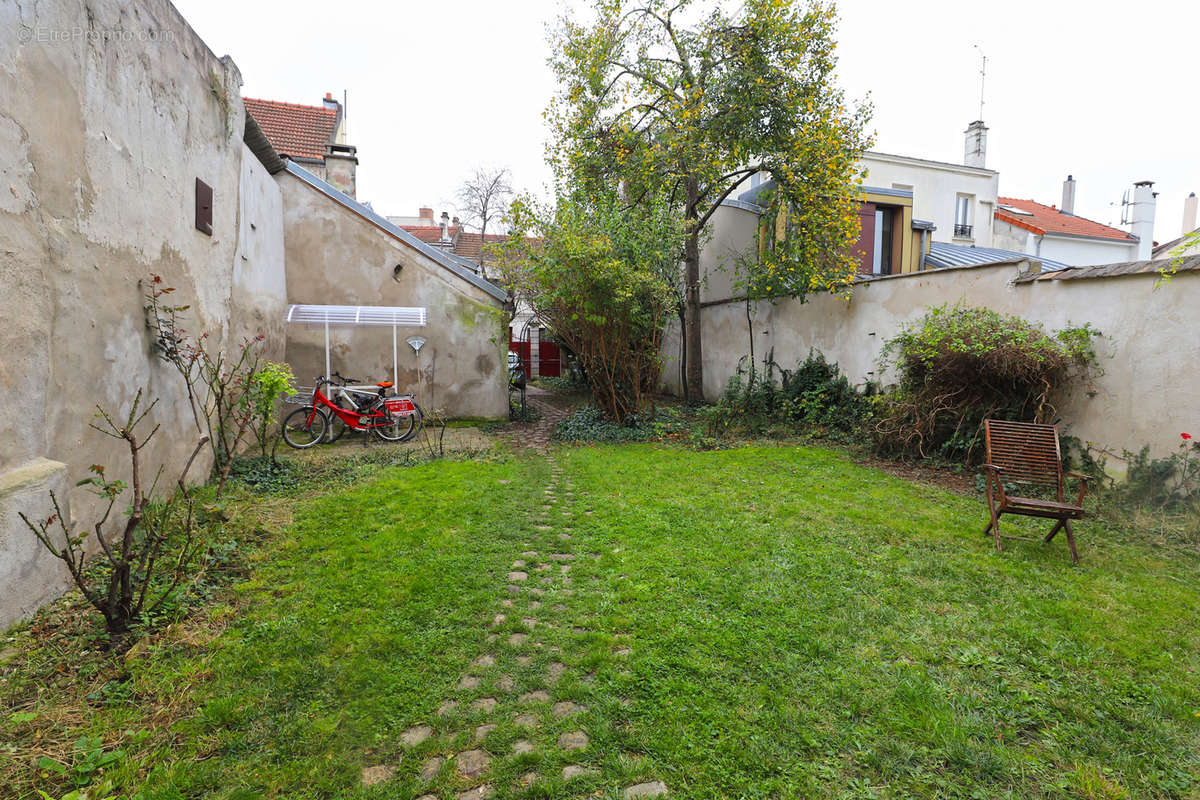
(994, 473)
(1084, 480)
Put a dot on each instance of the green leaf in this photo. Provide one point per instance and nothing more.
(45, 762)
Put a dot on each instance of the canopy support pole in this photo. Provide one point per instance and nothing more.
(395, 363)
(327, 346)
(328, 433)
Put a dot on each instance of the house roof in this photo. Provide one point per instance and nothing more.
(1048, 220)
(1164, 250)
(434, 253)
(294, 130)
(466, 245)
(470, 245)
(1156, 267)
(944, 254)
(430, 234)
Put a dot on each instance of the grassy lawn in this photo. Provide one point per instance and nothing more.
(756, 622)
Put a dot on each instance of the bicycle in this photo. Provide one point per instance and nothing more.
(394, 418)
(360, 398)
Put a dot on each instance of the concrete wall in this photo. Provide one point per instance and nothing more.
(109, 112)
(335, 256)
(1148, 392)
(1075, 251)
(935, 186)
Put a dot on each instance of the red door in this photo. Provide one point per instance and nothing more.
(522, 351)
(864, 248)
(549, 356)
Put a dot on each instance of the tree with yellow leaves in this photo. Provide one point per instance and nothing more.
(669, 98)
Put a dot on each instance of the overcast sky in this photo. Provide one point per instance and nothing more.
(1106, 91)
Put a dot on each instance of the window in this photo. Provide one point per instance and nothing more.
(962, 216)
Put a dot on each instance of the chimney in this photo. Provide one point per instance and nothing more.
(1142, 217)
(445, 227)
(1068, 203)
(329, 102)
(975, 147)
(1189, 214)
(426, 215)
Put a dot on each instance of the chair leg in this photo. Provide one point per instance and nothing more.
(1057, 527)
(1071, 541)
(995, 526)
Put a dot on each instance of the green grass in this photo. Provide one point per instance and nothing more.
(799, 626)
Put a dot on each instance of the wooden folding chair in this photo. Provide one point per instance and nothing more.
(1027, 452)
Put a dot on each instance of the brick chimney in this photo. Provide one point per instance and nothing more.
(1068, 203)
(426, 215)
(975, 146)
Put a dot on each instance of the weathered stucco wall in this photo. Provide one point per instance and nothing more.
(109, 112)
(1148, 392)
(336, 257)
(259, 294)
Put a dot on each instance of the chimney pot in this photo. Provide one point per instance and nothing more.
(1189, 214)
(975, 146)
(329, 95)
(1068, 198)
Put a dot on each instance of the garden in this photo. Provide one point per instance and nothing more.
(765, 619)
(787, 592)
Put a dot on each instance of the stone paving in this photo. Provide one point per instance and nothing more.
(517, 683)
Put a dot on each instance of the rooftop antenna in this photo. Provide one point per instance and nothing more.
(982, 78)
(346, 114)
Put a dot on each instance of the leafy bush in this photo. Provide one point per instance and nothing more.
(590, 424)
(265, 473)
(814, 397)
(567, 384)
(1171, 483)
(601, 276)
(959, 365)
(267, 384)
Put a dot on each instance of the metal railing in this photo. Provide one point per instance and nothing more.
(963, 230)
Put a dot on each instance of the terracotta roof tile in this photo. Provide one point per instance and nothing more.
(430, 234)
(294, 130)
(469, 245)
(1048, 219)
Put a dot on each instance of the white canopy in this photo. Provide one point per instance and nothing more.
(395, 316)
(357, 315)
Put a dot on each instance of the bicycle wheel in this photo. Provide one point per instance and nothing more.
(402, 428)
(299, 433)
(418, 421)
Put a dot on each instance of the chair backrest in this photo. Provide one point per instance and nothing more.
(1027, 452)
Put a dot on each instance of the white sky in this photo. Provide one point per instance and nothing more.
(1106, 91)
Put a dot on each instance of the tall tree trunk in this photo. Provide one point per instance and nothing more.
(694, 386)
(482, 242)
(680, 309)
